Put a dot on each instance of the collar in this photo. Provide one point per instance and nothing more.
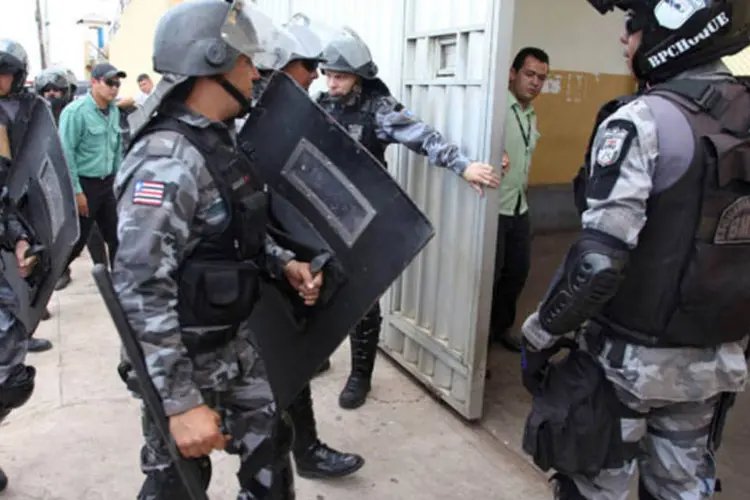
(92, 103)
(513, 102)
(179, 111)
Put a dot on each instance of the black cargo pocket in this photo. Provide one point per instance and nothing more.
(574, 425)
(217, 294)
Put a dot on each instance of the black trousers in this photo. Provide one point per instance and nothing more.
(512, 263)
(102, 205)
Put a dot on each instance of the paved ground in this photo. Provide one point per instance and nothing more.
(78, 437)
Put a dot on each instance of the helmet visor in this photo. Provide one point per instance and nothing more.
(251, 32)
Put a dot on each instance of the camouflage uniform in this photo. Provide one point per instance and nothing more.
(676, 389)
(393, 123)
(376, 119)
(154, 240)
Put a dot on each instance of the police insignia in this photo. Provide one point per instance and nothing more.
(148, 193)
(733, 227)
(612, 145)
(672, 14)
(612, 150)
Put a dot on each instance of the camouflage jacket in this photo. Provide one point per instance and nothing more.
(167, 201)
(396, 124)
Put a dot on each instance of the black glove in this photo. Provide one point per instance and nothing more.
(533, 366)
(534, 363)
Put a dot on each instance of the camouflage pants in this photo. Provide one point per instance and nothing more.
(246, 405)
(13, 336)
(674, 462)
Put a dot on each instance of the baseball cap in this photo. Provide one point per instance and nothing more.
(102, 71)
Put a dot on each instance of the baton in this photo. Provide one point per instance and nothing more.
(187, 471)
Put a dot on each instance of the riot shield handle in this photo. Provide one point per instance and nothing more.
(34, 251)
(186, 470)
(319, 262)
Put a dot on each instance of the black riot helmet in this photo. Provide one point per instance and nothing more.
(14, 61)
(348, 53)
(682, 34)
(52, 78)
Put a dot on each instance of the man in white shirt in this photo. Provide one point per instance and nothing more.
(146, 86)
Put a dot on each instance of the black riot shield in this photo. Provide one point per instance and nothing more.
(187, 470)
(332, 196)
(40, 190)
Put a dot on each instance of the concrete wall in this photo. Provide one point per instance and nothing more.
(131, 44)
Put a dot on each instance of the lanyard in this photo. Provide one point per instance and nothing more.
(525, 134)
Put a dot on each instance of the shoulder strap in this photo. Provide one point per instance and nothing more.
(695, 94)
(205, 143)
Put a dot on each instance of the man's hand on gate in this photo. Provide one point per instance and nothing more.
(481, 175)
(25, 264)
(82, 204)
(301, 278)
(197, 432)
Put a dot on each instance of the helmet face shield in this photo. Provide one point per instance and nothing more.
(251, 32)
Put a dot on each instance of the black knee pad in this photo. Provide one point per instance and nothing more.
(166, 484)
(565, 488)
(17, 389)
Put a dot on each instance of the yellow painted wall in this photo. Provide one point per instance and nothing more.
(131, 47)
(739, 64)
(587, 70)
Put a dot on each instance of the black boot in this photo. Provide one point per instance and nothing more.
(565, 488)
(64, 280)
(364, 345)
(274, 479)
(38, 345)
(314, 459)
(3, 480)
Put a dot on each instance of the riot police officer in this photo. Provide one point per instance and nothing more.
(16, 378)
(298, 53)
(362, 103)
(659, 273)
(193, 239)
(53, 84)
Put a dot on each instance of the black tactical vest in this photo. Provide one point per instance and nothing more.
(688, 280)
(219, 278)
(359, 120)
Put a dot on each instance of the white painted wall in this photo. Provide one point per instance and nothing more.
(574, 34)
(378, 23)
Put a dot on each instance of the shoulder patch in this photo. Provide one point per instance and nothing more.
(613, 142)
(148, 193)
(612, 150)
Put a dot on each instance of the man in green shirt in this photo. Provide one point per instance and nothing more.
(91, 138)
(513, 249)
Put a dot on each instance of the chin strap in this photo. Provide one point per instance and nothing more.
(245, 103)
